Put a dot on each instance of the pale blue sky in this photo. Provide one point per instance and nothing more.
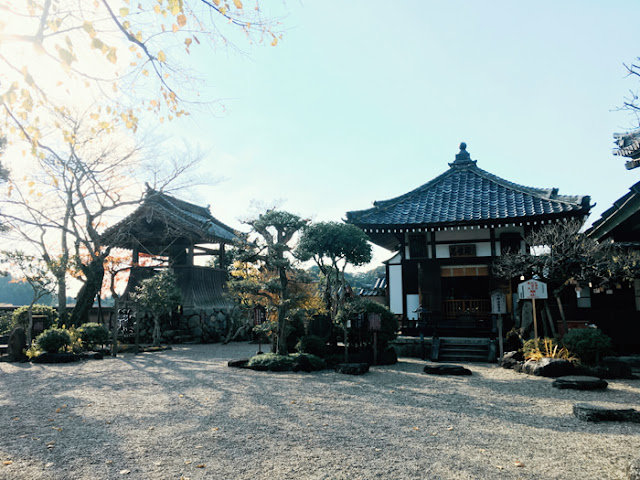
(366, 100)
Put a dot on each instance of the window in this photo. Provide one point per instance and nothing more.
(463, 250)
(417, 246)
(510, 243)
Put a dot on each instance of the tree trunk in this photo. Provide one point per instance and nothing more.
(114, 328)
(156, 330)
(30, 326)
(62, 299)
(565, 325)
(282, 313)
(94, 272)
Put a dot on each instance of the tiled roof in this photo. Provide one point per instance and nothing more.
(175, 217)
(620, 220)
(467, 194)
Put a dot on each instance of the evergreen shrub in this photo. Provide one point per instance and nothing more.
(93, 334)
(20, 317)
(589, 344)
(53, 340)
(312, 344)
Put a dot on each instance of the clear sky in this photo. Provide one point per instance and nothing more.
(366, 100)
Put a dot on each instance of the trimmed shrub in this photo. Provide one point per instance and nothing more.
(284, 363)
(513, 341)
(53, 340)
(20, 317)
(590, 345)
(359, 308)
(93, 334)
(312, 344)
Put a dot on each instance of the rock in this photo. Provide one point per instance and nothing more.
(633, 470)
(613, 367)
(388, 357)
(510, 359)
(194, 322)
(595, 413)
(446, 370)
(352, 368)
(242, 363)
(92, 356)
(575, 382)
(518, 367)
(56, 358)
(17, 343)
(549, 367)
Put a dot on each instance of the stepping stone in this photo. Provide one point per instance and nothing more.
(575, 382)
(446, 370)
(352, 368)
(595, 413)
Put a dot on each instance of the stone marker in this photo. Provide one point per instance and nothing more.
(595, 413)
(446, 370)
(576, 382)
(17, 343)
(352, 368)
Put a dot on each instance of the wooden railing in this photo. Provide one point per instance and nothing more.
(475, 307)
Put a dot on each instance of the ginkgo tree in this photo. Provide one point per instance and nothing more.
(115, 57)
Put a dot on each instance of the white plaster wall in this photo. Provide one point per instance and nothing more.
(395, 288)
(413, 302)
(455, 235)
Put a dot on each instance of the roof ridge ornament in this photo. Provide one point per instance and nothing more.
(463, 158)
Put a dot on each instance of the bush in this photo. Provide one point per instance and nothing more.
(93, 334)
(53, 340)
(589, 344)
(359, 308)
(5, 323)
(312, 344)
(20, 317)
(545, 347)
(513, 341)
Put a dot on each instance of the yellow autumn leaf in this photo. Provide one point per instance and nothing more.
(7, 462)
(156, 8)
(223, 10)
(175, 9)
(238, 4)
(217, 2)
(111, 56)
(124, 12)
(145, 73)
(275, 41)
(182, 19)
(200, 465)
(175, 28)
(162, 57)
(187, 42)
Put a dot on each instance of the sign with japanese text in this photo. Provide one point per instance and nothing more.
(498, 302)
(375, 322)
(259, 315)
(532, 289)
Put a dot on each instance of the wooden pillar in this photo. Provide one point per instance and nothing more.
(223, 260)
(135, 256)
(190, 255)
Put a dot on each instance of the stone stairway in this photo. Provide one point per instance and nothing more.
(458, 349)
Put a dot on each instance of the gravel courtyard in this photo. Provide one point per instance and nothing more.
(184, 414)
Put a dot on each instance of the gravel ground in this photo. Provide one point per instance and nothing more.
(184, 413)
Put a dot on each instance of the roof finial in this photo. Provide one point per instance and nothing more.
(463, 158)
